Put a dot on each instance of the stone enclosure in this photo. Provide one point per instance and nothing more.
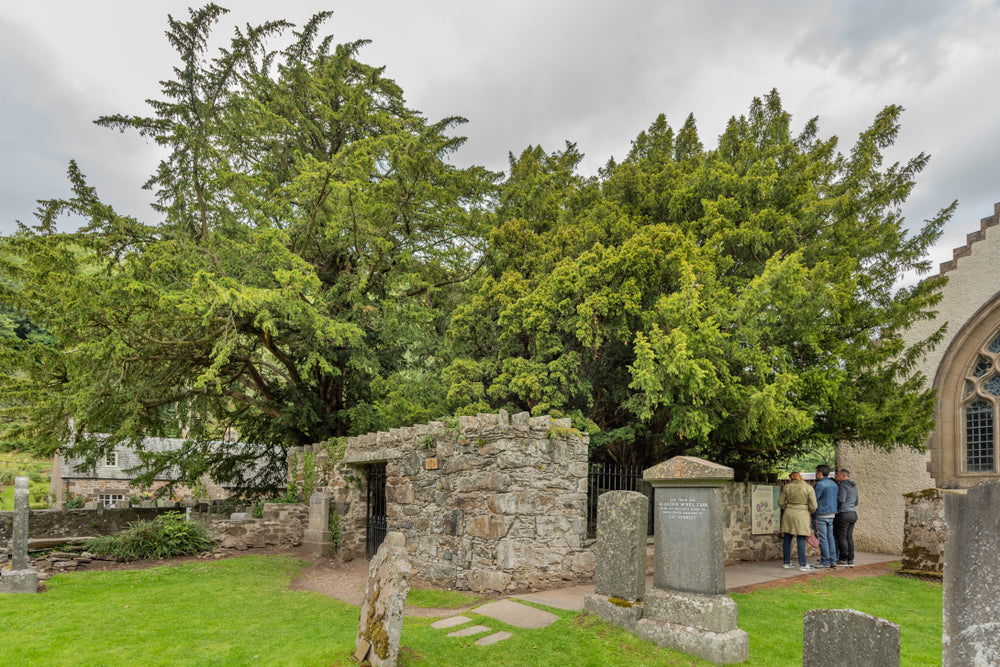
(495, 502)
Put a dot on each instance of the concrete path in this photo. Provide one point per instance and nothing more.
(737, 576)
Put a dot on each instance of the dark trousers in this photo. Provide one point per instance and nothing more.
(843, 529)
(786, 548)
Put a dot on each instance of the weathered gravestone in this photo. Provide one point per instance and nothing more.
(972, 578)
(20, 578)
(316, 539)
(847, 638)
(687, 608)
(620, 568)
(381, 622)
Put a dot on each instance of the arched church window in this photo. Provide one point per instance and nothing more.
(981, 396)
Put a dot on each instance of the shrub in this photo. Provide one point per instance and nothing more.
(74, 502)
(165, 536)
(7, 477)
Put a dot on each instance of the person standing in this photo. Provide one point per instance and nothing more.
(797, 501)
(826, 511)
(847, 516)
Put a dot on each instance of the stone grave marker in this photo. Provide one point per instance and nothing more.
(972, 577)
(316, 539)
(620, 567)
(20, 578)
(381, 622)
(687, 608)
(846, 638)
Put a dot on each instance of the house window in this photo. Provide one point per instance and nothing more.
(981, 396)
(111, 460)
(111, 499)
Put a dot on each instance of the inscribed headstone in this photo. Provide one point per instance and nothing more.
(620, 569)
(381, 622)
(847, 638)
(972, 577)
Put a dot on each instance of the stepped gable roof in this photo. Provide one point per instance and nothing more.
(965, 250)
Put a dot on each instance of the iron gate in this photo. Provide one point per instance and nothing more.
(376, 514)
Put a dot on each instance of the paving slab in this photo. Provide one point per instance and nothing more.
(450, 622)
(472, 630)
(493, 639)
(516, 614)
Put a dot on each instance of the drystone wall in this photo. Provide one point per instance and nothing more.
(60, 524)
(282, 524)
(493, 503)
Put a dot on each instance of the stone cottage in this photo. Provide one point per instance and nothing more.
(965, 371)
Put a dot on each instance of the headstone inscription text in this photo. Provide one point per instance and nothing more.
(683, 509)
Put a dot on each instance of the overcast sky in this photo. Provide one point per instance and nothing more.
(539, 72)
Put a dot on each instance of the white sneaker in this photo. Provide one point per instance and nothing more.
(807, 568)
(788, 566)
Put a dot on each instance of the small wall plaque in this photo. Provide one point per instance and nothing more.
(430, 464)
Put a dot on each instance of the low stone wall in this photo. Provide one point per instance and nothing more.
(78, 522)
(496, 503)
(925, 532)
(281, 524)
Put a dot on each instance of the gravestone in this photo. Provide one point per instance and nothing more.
(381, 622)
(620, 570)
(316, 539)
(687, 608)
(620, 567)
(972, 577)
(20, 578)
(846, 638)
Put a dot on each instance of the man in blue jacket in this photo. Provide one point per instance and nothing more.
(826, 510)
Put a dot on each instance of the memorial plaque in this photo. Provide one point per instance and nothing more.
(430, 464)
(689, 546)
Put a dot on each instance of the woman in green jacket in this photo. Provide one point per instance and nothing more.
(797, 501)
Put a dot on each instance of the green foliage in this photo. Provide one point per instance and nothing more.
(308, 475)
(313, 240)
(7, 477)
(74, 501)
(165, 536)
(335, 534)
(737, 303)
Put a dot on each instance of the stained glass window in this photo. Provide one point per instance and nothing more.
(995, 345)
(993, 385)
(983, 367)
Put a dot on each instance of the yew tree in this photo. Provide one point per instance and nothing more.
(740, 303)
(308, 235)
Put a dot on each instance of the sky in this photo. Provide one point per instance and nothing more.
(538, 73)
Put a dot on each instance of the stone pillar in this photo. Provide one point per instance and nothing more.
(381, 622)
(687, 608)
(20, 578)
(971, 577)
(846, 638)
(620, 568)
(316, 539)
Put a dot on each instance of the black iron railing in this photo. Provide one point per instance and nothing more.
(603, 477)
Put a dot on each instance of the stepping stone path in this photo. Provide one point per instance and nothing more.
(508, 611)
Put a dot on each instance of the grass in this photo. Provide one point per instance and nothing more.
(239, 612)
(21, 464)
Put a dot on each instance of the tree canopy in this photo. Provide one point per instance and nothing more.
(312, 230)
(318, 268)
(738, 303)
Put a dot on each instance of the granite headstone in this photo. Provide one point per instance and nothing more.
(620, 568)
(972, 578)
(847, 638)
(316, 539)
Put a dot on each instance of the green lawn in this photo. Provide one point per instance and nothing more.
(240, 612)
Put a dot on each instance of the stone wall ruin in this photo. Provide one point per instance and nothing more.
(492, 503)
